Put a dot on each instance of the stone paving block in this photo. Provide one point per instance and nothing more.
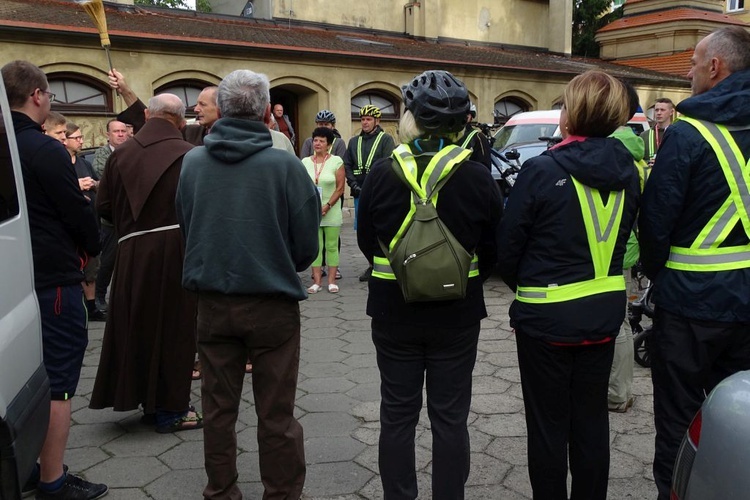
(322, 323)
(82, 436)
(483, 369)
(325, 370)
(631, 422)
(628, 489)
(354, 315)
(517, 480)
(248, 467)
(328, 424)
(126, 494)
(364, 375)
(483, 384)
(502, 359)
(358, 325)
(509, 374)
(185, 455)
(247, 440)
(141, 444)
(85, 386)
(339, 478)
(78, 402)
(494, 491)
(128, 472)
(89, 371)
(88, 416)
(368, 412)
(502, 425)
(507, 346)
(361, 360)
(324, 385)
(510, 449)
(319, 311)
(366, 392)
(489, 404)
(486, 469)
(322, 355)
(367, 435)
(326, 402)
(178, 485)
(643, 385)
(323, 333)
(623, 466)
(359, 347)
(81, 459)
(636, 445)
(332, 449)
(479, 440)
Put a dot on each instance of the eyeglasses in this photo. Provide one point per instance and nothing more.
(76, 137)
(50, 94)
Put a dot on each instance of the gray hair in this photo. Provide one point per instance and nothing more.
(244, 94)
(166, 106)
(409, 129)
(730, 44)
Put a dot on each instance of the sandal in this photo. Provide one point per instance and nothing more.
(248, 367)
(333, 288)
(197, 374)
(185, 423)
(315, 288)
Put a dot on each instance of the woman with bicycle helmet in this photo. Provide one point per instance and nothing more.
(436, 339)
(562, 245)
(327, 119)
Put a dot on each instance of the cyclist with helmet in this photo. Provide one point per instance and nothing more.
(327, 119)
(475, 140)
(363, 151)
(436, 339)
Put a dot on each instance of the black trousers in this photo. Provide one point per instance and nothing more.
(447, 357)
(106, 262)
(565, 396)
(688, 359)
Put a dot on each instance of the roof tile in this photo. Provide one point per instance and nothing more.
(665, 16)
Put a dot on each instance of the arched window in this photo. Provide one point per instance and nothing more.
(557, 105)
(79, 94)
(507, 107)
(187, 90)
(388, 106)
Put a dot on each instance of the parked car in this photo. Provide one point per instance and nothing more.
(24, 387)
(507, 162)
(530, 126)
(711, 463)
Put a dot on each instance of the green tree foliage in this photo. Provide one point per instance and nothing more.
(200, 5)
(588, 17)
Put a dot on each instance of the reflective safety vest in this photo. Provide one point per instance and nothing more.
(706, 252)
(363, 168)
(434, 176)
(652, 145)
(468, 138)
(601, 239)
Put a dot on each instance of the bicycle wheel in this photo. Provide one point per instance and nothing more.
(641, 345)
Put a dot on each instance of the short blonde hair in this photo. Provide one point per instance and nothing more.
(409, 130)
(596, 104)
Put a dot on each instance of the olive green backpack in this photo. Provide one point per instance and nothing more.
(428, 262)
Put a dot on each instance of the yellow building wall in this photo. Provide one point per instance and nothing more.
(506, 21)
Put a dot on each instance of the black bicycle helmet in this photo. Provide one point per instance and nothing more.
(325, 116)
(438, 101)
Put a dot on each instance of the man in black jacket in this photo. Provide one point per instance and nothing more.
(63, 236)
(363, 151)
(694, 233)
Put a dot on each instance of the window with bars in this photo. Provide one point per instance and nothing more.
(507, 107)
(187, 90)
(79, 94)
(388, 107)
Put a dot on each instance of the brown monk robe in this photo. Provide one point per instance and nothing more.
(149, 340)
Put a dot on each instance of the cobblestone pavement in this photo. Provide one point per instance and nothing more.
(337, 404)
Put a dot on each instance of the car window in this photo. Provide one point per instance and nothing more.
(527, 132)
(8, 192)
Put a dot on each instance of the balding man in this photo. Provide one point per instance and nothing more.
(694, 235)
(149, 340)
(206, 109)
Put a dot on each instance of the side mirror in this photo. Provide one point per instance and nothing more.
(513, 154)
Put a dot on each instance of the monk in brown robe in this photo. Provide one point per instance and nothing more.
(149, 340)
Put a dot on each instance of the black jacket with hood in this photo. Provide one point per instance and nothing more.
(543, 238)
(62, 221)
(684, 191)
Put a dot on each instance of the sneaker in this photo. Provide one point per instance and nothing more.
(97, 315)
(621, 407)
(366, 275)
(74, 488)
(30, 487)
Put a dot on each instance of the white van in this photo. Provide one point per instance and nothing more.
(530, 126)
(24, 387)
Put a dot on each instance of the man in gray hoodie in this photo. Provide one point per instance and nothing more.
(250, 217)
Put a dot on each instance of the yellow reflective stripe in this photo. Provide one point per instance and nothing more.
(652, 142)
(469, 138)
(371, 155)
(572, 291)
(709, 259)
(718, 227)
(594, 210)
(381, 268)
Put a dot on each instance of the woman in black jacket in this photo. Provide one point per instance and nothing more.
(436, 339)
(562, 246)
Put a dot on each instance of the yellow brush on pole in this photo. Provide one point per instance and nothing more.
(95, 10)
